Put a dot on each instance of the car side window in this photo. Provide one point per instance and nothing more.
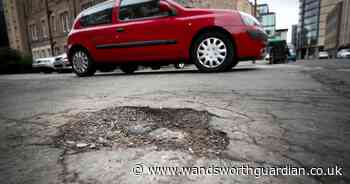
(138, 9)
(97, 16)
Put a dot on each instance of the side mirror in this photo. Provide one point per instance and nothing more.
(165, 7)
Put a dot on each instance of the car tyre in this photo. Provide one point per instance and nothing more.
(82, 63)
(213, 52)
(128, 69)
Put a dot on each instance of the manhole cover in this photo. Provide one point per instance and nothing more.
(168, 129)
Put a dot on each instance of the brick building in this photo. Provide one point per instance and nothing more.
(15, 24)
(50, 40)
(241, 5)
(3, 31)
(337, 28)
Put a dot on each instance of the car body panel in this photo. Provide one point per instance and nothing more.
(162, 38)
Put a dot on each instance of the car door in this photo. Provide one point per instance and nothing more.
(143, 32)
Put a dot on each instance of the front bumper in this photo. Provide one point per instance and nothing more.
(62, 67)
(42, 65)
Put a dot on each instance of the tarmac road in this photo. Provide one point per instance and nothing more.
(261, 115)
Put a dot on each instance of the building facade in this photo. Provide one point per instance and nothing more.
(3, 32)
(294, 35)
(344, 33)
(241, 5)
(337, 28)
(308, 30)
(312, 26)
(50, 21)
(326, 7)
(14, 11)
(333, 23)
(267, 19)
(281, 34)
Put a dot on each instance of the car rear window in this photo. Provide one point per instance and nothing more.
(98, 15)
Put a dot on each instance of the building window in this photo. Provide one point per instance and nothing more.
(44, 29)
(65, 22)
(33, 32)
(48, 51)
(53, 23)
(57, 51)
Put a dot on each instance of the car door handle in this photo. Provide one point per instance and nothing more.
(120, 30)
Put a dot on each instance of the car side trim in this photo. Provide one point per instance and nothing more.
(136, 44)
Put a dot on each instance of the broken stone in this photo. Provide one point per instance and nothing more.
(70, 142)
(92, 146)
(102, 140)
(140, 129)
(167, 129)
(82, 145)
(166, 134)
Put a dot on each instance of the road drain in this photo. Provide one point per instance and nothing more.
(168, 129)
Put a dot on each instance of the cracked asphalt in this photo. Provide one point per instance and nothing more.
(265, 115)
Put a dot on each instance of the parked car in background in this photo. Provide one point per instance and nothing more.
(292, 55)
(323, 55)
(343, 54)
(44, 65)
(51, 64)
(62, 64)
(129, 33)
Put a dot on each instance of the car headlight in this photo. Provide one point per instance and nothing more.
(249, 20)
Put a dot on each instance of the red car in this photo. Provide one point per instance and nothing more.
(130, 33)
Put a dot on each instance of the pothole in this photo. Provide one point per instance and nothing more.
(168, 129)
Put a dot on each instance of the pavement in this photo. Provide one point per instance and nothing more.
(59, 128)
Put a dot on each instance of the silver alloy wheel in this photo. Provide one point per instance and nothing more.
(80, 62)
(212, 52)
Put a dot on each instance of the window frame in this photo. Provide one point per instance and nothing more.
(109, 4)
(144, 18)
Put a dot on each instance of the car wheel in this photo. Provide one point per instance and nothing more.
(213, 52)
(128, 69)
(82, 63)
(180, 65)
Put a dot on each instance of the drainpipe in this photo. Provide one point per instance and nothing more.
(255, 8)
(25, 15)
(48, 16)
(74, 8)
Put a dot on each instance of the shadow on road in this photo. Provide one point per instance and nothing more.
(167, 72)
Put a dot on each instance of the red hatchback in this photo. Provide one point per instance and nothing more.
(130, 33)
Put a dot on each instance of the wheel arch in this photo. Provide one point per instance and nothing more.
(213, 29)
(75, 48)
